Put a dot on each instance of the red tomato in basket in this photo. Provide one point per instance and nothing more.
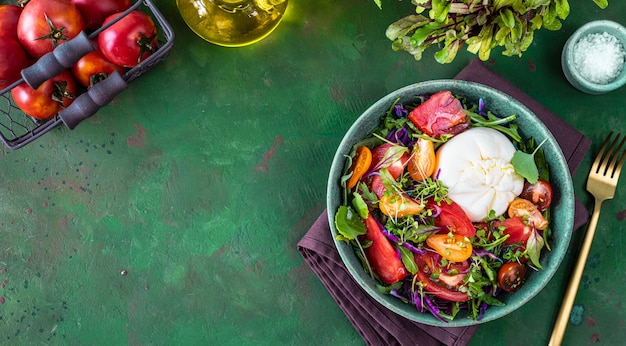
(44, 102)
(9, 15)
(45, 24)
(441, 114)
(93, 68)
(129, 41)
(96, 11)
(13, 59)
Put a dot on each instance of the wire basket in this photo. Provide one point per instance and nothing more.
(18, 129)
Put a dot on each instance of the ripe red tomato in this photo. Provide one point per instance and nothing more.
(45, 24)
(452, 216)
(394, 165)
(96, 11)
(381, 254)
(540, 193)
(9, 15)
(429, 265)
(511, 276)
(44, 102)
(12, 60)
(129, 41)
(516, 229)
(441, 114)
(93, 68)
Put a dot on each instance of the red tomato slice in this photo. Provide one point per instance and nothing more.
(516, 229)
(395, 167)
(428, 265)
(453, 217)
(441, 114)
(382, 256)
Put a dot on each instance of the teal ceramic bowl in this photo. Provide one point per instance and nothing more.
(572, 62)
(530, 126)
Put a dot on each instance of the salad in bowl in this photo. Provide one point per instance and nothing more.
(450, 203)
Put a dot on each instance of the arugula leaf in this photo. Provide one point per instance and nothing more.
(408, 260)
(359, 204)
(524, 164)
(348, 224)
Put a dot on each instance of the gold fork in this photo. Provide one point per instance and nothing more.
(601, 183)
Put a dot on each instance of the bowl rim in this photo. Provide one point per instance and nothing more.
(566, 201)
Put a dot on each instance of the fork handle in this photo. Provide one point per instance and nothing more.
(572, 288)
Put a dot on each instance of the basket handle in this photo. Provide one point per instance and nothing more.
(62, 57)
(88, 103)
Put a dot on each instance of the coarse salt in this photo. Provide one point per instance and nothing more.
(599, 57)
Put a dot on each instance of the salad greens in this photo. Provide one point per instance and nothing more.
(491, 243)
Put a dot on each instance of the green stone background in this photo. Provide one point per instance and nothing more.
(201, 177)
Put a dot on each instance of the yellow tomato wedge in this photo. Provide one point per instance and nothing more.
(453, 247)
(398, 205)
(526, 211)
(422, 161)
(360, 164)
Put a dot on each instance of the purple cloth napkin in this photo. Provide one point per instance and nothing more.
(376, 324)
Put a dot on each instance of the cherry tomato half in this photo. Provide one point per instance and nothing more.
(45, 24)
(399, 205)
(430, 267)
(441, 114)
(525, 210)
(511, 276)
(540, 193)
(452, 247)
(422, 160)
(360, 164)
(44, 102)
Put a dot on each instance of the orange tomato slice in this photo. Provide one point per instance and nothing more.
(526, 211)
(453, 247)
(399, 205)
(422, 161)
(360, 164)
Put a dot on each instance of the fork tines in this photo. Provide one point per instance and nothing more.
(606, 162)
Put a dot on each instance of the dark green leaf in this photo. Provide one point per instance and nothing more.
(348, 223)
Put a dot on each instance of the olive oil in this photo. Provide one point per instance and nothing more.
(232, 23)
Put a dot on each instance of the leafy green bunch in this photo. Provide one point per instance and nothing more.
(480, 24)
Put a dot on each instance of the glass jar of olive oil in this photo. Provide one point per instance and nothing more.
(232, 23)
